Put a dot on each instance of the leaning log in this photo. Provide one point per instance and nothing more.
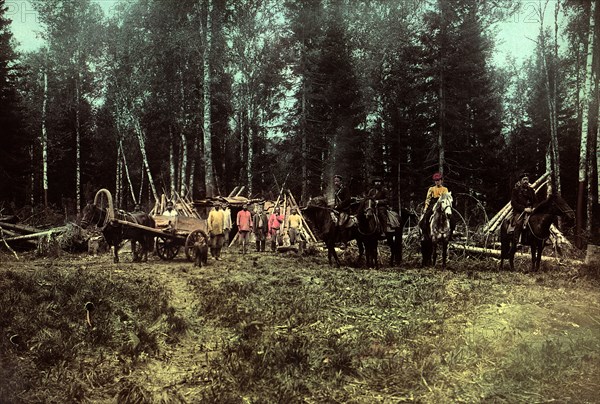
(36, 235)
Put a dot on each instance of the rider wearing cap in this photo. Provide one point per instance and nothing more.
(380, 194)
(522, 201)
(433, 194)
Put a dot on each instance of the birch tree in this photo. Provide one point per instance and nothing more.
(551, 97)
(589, 80)
(209, 179)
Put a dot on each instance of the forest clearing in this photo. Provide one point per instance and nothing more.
(271, 327)
(147, 120)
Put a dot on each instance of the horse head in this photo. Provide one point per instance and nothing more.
(444, 204)
(367, 207)
(556, 205)
(91, 214)
(368, 222)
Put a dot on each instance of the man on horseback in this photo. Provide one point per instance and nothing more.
(342, 200)
(380, 195)
(433, 194)
(522, 201)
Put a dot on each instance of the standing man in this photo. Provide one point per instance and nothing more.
(380, 195)
(294, 225)
(244, 223)
(227, 226)
(522, 201)
(261, 228)
(216, 223)
(275, 221)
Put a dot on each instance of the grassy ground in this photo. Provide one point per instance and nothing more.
(283, 328)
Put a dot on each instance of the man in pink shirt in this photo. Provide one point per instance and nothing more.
(275, 221)
(244, 223)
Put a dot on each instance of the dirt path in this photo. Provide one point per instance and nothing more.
(182, 368)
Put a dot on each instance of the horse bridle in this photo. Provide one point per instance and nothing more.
(371, 209)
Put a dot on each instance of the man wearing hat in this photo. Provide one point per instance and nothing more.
(380, 194)
(342, 200)
(433, 194)
(244, 223)
(522, 201)
(261, 227)
(216, 223)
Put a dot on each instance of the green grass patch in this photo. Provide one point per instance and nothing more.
(55, 355)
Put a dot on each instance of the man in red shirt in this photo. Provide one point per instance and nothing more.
(244, 223)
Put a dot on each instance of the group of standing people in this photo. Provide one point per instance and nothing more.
(264, 226)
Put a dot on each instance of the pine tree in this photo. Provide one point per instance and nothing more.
(14, 156)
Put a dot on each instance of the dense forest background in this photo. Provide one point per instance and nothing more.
(198, 96)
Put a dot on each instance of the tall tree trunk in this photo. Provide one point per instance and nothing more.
(119, 175)
(126, 168)
(77, 145)
(209, 180)
(589, 79)
(184, 147)
(44, 139)
(172, 178)
(250, 161)
(192, 175)
(590, 190)
(551, 101)
(304, 195)
(442, 94)
(142, 142)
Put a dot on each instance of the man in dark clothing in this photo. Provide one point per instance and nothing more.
(261, 228)
(380, 194)
(342, 200)
(522, 201)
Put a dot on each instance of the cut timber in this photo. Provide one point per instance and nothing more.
(19, 228)
(496, 253)
(36, 235)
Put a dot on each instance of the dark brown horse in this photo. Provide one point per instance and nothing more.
(115, 233)
(537, 231)
(369, 229)
(321, 217)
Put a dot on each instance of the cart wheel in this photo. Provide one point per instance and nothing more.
(166, 248)
(193, 238)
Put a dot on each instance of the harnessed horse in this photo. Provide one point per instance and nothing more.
(320, 216)
(115, 233)
(437, 231)
(369, 229)
(537, 230)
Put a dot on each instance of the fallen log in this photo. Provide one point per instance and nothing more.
(489, 252)
(36, 235)
(23, 229)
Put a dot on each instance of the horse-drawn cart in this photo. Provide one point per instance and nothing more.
(177, 232)
(168, 234)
